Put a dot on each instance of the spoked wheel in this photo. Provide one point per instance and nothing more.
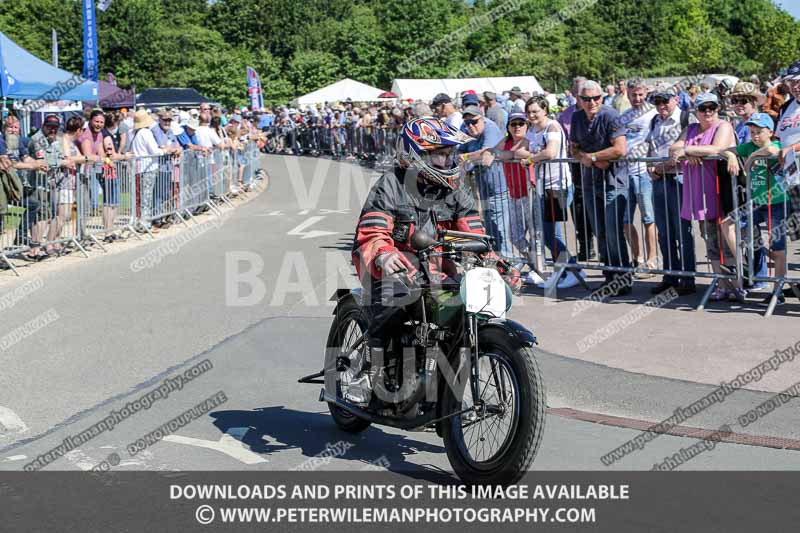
(497, 439)
(348, 325)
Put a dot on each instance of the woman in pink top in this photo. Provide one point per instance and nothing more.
(707, 195)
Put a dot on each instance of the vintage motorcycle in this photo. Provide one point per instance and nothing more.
(456, 365)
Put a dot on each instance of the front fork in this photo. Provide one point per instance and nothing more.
(472, 322)
(499, 381)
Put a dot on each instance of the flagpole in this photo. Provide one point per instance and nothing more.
(55, 48)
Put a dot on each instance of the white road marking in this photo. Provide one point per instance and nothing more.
(331, 211)
(227, 444)
(11, 458)
(80, 459)
(300, 231)
(10, 422)
(271, 214)
(303, 212)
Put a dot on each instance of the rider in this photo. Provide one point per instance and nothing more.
(422, 193)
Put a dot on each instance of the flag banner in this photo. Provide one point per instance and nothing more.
(254, 89)
(89, 41)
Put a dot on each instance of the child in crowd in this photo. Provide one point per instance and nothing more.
(768, 196)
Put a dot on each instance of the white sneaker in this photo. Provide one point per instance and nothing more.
(533, 278)
(570, 280)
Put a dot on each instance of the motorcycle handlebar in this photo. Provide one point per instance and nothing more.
(474, 246)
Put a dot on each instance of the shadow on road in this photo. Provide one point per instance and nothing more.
(273, 429)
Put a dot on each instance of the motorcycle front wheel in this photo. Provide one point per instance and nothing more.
(496, 440)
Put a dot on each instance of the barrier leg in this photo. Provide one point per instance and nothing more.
(773, 301)
(10, 265)
(713, 285)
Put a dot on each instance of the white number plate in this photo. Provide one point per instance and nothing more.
(484, 292)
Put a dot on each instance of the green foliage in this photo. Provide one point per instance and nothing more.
(300, 45)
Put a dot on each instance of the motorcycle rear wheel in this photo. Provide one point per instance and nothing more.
(518, 403)
(349, 322)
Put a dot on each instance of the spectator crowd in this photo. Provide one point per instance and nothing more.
(628, 172)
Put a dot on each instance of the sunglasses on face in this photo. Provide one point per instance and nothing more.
(660, 101)
(516, 124)
(592, 98)
(740, 101)
(471, 121)
(707, 108)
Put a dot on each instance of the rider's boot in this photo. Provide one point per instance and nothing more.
(359, 390)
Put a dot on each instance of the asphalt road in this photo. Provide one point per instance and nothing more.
(249, 296)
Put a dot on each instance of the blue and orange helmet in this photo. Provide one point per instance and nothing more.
(422, 137)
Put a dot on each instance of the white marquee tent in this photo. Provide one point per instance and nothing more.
(427, 89)
(339, 92)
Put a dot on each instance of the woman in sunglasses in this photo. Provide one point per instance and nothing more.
(707, 192)
(547, 141)
(514, 150)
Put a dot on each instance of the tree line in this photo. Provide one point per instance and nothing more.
(300, 45)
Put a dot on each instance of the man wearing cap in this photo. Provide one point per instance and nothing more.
(443, 107)
(674, 233)
(469, 99)
(489, 179)
(188, 137)
(517, 102)
(746, 99)
(168, 143)
(495, 112)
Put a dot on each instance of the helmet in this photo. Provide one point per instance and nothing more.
(421, 137)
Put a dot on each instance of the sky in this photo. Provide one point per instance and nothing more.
(792, 6)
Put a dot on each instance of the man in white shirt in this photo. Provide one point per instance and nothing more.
(146, 150)
(207, 137)
(636, 121)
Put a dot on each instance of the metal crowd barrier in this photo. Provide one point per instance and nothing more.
(108, 200)
(64, 209)
(719, 212)
(607, 202)
(44, 218)
(780, 222)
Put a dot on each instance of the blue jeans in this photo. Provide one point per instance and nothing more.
(674, 233)
(605, 207)
(552, 230)
(640, 191)
(495, 218)
(493, 192)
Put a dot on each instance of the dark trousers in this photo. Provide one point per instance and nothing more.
(583, 230)
(674, 233)
(28, 220)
